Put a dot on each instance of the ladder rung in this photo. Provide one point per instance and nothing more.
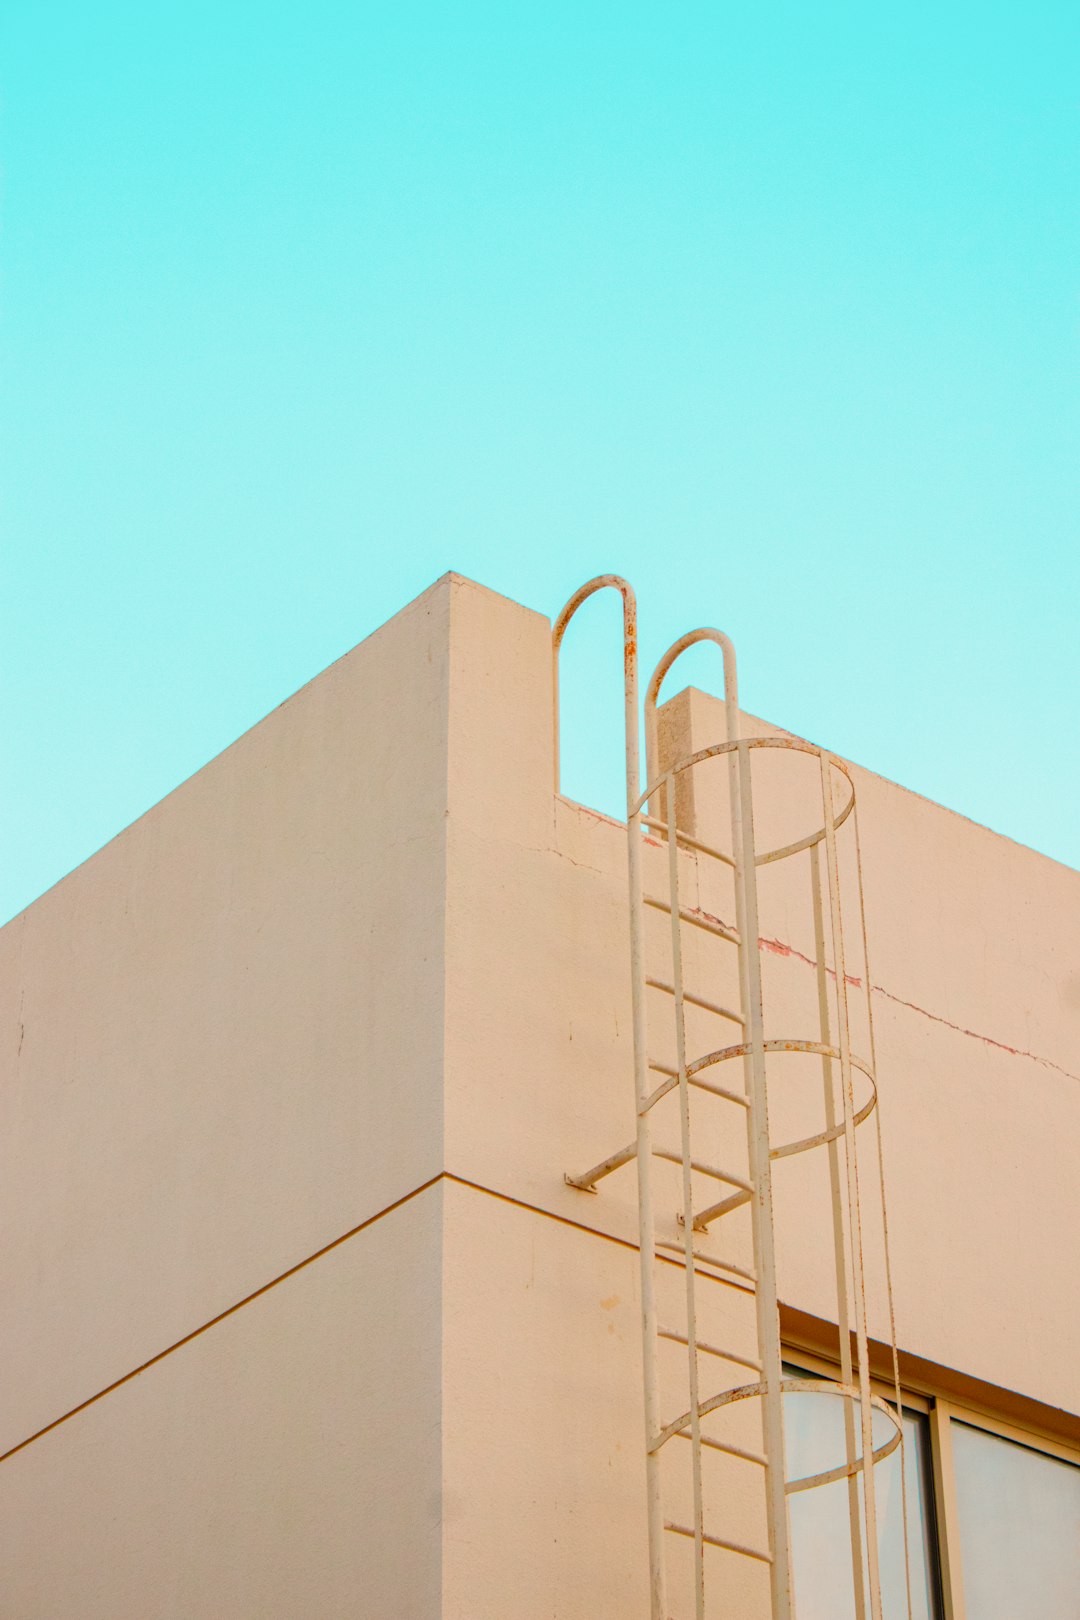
(710, 1349)
(692, 1080)
(708, 1260)
(711, 925)
(685, 838)
(698, 1001)
(725, 1446)
(716, 1541)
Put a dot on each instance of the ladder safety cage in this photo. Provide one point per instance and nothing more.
(850, 1097)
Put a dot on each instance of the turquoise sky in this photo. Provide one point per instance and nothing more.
(772, 308)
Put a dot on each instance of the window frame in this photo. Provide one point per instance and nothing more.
(942, 1411)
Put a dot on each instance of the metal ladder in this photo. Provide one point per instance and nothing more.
(690, 1086)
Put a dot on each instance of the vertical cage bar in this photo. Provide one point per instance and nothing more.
(761, 1204)
(839, 1258)
(895, 1354)
(858, 1288)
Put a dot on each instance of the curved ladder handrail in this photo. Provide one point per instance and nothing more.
(658, 1606)
(659, 675)
(630, 681)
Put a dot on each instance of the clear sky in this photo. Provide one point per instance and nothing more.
(771, 307)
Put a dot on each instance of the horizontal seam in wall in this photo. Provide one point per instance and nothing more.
(536, 1209)
(995, 1400)
(590, 1231)
(230, 1310)
(461, 1181)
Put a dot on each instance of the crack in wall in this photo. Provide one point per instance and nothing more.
(779, 948)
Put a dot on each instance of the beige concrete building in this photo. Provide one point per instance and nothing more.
(302, 1320)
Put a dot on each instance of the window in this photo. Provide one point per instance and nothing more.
(993, 1513)
(1018, 1516)
(821, 1529)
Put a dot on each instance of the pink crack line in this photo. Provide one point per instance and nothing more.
(778, 948)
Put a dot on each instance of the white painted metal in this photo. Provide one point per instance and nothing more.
(754, 1050)
(643, 1143)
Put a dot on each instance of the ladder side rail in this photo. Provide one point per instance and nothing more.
(643, 1136)
(652, 694)
(559, 626)
(688, 1211)
(650, 1322)
(745, 865)
(665, 804)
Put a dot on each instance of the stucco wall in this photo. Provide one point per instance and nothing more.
(284, 1463)
(222, 1035)
(368, 955)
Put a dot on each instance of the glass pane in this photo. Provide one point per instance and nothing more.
(821, 1517)
(1019, 1515)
